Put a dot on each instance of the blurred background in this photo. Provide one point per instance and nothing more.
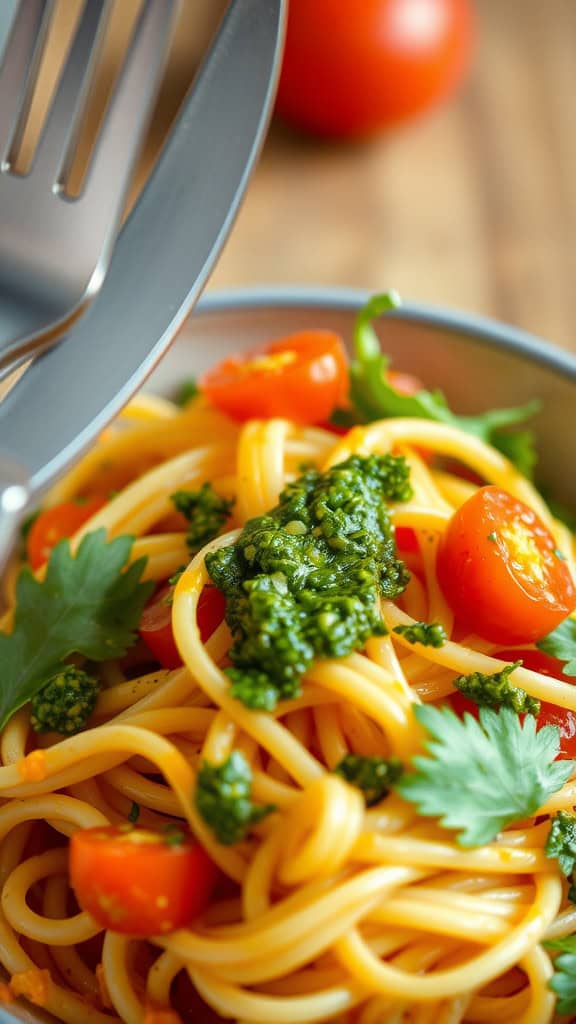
(471, 204)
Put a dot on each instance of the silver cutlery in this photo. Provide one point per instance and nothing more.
(54, 248)
(160, 264)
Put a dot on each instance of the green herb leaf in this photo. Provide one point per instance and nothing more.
(223, 798)
(429, 634)
(479, 777)
(496, 691)
(563, 981)
(374, 398)
(561, 842)
(87, 604)
(561, 644)
(373, 775)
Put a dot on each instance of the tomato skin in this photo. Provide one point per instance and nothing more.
(350, 74)
(57, 523)
(156, 623)
(499, 572)
(302, 377)
(550, 714)
(156, 628)
(138, 882)
(210, 611)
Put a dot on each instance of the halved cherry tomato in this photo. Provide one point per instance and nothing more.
(54, 524)
(500, 571)
(550, 714)
(210, 611)
(156, 622)
(302, 377)
(140, 882)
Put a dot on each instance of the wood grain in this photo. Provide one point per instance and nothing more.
(472, 206)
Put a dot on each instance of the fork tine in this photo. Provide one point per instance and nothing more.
(117, 149)
(60, 130)
(19, 66)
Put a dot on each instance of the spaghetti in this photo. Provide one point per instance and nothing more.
(335, 911)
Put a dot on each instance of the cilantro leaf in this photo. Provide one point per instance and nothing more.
(479, 777)
(87, 604)
(561, 841)
(561, 644)
(563, 981)
(374, 398)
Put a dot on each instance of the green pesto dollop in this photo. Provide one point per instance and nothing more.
(223, 797)
(65, 702)
(373, 775)
(303, 581)
(206, 512)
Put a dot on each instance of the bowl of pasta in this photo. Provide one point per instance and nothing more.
(288, 717)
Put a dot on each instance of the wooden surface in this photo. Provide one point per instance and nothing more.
(474, 206)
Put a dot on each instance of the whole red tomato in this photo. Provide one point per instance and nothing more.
(352, 68)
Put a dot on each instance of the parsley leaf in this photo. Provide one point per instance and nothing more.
(479, 777)
(374, 398)
(86, 604)
(561, 644)
(429, 634)
(496, 690)
(563, 981)
(561, 841)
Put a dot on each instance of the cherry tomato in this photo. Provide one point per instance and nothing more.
(550, 714)
(351, 73)
(156, 622)
(302, 377)
(406, 540)
(54, 524)
(140, 882)
(500, 571)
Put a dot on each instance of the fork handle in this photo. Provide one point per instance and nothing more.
(15, 494)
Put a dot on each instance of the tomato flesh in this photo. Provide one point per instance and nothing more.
(156, 623)
(140, 882)
(550, 714)
(500, 572)
(302, 377)
(56, 524)
(351, 73)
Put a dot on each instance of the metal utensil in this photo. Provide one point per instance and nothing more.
(55, 250)
(160, 264)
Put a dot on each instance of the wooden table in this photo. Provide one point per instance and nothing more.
(473, 206)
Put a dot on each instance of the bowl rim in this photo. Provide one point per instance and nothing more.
(486, 330)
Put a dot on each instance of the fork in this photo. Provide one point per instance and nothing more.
(162, 259)
(55, 249)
